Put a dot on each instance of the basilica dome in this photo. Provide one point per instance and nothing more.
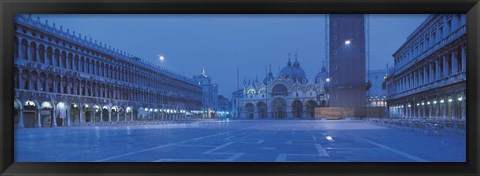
(293, 72)
(322, 75)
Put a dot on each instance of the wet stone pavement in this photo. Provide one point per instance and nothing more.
(237, 141)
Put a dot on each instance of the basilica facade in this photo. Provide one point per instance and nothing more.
(64, 79)
(286, 95)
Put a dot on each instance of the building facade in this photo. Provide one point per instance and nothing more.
(428, 79)
(377, 94)
(289, 95)
(62, 79)
(209, 94)
(236, 97)
(224, 107)
(347, 49)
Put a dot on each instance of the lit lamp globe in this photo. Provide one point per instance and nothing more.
(347, 42)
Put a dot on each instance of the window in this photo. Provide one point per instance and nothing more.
(335, 67)
(334, 52)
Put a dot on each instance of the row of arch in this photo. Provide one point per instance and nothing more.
(51, 82)
(31, 113)
(278, 109)
(37, 51)
(447, 107)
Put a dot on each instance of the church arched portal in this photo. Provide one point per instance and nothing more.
(279, 107)
(262, 110)
(250, 110)
(297, 107)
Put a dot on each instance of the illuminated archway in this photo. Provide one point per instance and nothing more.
(297, 109)
(279, 108)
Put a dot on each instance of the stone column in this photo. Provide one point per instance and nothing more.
(131, 114)
(109, 115)
(39, 86)
(20, 80)
(54, 119)
(29, 52)
(101, 114)
(445, 66)
(430, 111)
(425, 76)
(454, 63)
(92, 115)
(68, 117)
(453, 106)
(437, 69)
(463, 107)
(81, 114)
(60, 56)
(21, 123)
(444, 109)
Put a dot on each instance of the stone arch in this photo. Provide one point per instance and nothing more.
(61, 114)
(114, 113)
(262, 110)
(279, 107)
(56, 57)
(97, 111)
(30, 110)
(50, 54)
(33, 52)
(70, 61)
(105, 113)
(75, 110)
(24, 49)
(47, 113)
(64, 60)
(279, 90)
(297, 109)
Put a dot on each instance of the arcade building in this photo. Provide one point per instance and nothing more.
(428, 80)
(65, 79)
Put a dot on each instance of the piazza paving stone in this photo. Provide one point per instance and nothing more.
(237, 141)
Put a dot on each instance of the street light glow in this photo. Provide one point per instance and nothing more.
(347, 42)
(161, 58)
(328, 80)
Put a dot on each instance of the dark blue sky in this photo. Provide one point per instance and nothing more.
(221, 43)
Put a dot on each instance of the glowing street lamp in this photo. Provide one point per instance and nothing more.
(328, 80)
(347, 42)
(161, 58)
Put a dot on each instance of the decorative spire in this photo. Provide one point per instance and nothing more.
(203, 72)
(296, 64)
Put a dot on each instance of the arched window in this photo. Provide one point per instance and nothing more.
(279, 89)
